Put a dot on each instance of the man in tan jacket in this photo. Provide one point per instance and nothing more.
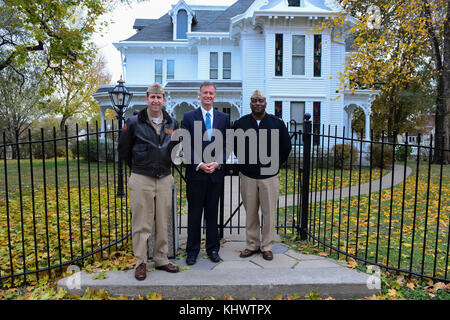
(145, 145)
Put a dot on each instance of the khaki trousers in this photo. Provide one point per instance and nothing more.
(258, 193)
(150, 204)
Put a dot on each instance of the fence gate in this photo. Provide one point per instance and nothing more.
(291, 216)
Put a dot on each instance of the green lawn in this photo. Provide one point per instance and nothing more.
(415, 230)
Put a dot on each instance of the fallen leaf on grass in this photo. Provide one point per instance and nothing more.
(100, 276)
(440, 285)
(410, 285)
(392, 293)
(153, 296)
(352, 264)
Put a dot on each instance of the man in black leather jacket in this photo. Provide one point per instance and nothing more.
(145, 145)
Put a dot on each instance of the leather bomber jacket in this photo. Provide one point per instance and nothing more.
(142, 149)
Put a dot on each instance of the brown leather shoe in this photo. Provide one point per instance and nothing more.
(247, 253)
(169, 268)
(267, 255)
(141, 272)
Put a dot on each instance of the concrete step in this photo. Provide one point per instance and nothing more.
(287, 274)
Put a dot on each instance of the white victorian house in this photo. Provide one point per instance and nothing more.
(252, 44)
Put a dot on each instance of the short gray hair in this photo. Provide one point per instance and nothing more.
(207, 84)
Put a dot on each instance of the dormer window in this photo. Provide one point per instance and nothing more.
(294, 3)
(182, 24)
(182, 18)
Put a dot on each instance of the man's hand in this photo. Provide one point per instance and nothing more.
(209, 167)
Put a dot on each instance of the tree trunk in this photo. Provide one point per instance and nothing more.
(441, 65)
(62, 124)
(446, 86)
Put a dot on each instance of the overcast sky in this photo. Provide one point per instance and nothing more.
(121, 27)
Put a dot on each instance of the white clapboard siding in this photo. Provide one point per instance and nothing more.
(141, 66)
(253, 55)
(336, 109)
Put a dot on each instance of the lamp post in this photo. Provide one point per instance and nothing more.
(120, 98)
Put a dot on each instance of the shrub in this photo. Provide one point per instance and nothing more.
(381, 156)
(49, 146)
(343, 154)
(49, 150)
(91, 153)
(400, 152)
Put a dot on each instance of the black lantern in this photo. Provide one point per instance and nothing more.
(120, 98)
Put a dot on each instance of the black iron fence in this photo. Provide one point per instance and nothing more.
(58, 201)
(378, 202)
(382, 202)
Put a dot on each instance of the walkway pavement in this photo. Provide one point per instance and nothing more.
(287, 274)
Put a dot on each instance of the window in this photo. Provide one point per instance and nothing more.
(317, 55)
(279, 109)
(297, 114)
(182, 24)
(170, 69)
(316, 123)
(298, 55)
(279, 55)
(158, 71)
(213, 65)
(226, 110)
(349, 43)
(227, 65)
(294, 3)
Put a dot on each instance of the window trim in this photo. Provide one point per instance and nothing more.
(187, 25)
(280, 54)
(298, 55)
(216, 68)
(316, 125)
(280, 104)
(223, 65)
(167, 70)
(157, 74)
(300, 4)
(317, 55)
(300, 125)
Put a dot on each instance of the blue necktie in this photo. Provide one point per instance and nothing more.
(208, 125)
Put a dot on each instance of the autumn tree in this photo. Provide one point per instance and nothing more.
(20, 103)
(72, 97)
(394, 42)
(53, 34)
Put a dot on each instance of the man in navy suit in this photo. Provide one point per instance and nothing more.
(205, 175)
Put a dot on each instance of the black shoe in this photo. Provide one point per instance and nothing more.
(190, 260)
(214, 256)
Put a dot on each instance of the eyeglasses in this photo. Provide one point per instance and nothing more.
(260, 100)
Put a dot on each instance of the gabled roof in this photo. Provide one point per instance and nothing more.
(206, 21)
(218, 19)
(153, 29)
(222, 23)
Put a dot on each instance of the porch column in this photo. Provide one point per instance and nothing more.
(367, 113)
(102, 123)
(348, 127)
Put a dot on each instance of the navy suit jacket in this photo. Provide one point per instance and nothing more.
(221, 121)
